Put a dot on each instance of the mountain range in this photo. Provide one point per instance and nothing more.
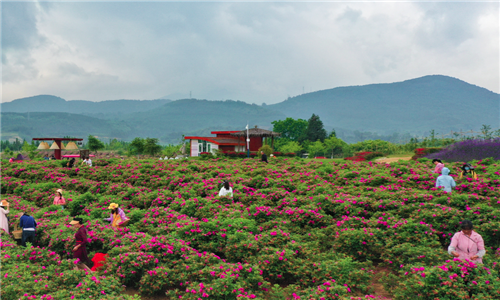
(411, 107)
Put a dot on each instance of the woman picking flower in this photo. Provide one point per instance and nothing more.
(467, 244)
(4, 222)
(226, 190)
(439, 165)
(467, 171)
(59, 199)
(117, 216)
(80, 249)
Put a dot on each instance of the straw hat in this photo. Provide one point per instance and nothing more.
(59, 191)
(113, 206)
(4, 203)
(76, 221)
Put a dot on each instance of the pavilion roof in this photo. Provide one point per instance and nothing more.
(256, 132)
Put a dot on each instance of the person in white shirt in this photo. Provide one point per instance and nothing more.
(87, 161)
(226, 190)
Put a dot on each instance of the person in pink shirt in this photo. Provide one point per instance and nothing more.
(467, 244)
(439, 165)
(59, 199)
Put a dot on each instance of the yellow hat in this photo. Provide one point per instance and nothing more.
(113, 206)
(5, 203)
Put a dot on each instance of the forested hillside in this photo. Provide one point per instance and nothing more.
(411, 107)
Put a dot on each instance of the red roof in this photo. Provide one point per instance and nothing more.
(222, 141)
(224, 132)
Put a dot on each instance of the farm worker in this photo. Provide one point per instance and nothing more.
(87, 161)
(4, 222)
(80, 249)
(467, 170)
(445, 181)
(117, 216)
(467, 244)
(71, 162)
(28, 224)
(264, 156)
(439, 165)
(226, 190)
(59, 199)
(11, 160)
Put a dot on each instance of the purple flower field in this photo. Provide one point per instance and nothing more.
(469, 150)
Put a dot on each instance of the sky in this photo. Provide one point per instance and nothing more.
(257, 52)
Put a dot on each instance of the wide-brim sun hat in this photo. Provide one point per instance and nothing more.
(76, 221)
(113, 206)
(59, 191)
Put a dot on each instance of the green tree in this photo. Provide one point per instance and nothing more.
(137, 145)
(486, 131)
(27, 147)
(266, 149)
(171, 151)
(151, 146)
(316, 148)
(291, 147)
(290, 128)
(315, 130)
(334, 145)
(94, 144)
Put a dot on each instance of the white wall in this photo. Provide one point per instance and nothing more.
(194, 147)
(214, 147)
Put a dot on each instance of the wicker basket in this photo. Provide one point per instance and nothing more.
(124, 223)
(17, 233)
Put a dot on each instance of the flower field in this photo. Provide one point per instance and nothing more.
(295, 229)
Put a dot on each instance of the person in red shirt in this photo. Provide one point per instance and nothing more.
(80, 249)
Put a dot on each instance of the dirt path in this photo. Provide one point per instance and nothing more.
(379, 290)
(392, 159)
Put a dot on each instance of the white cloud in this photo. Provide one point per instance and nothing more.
(255, 52)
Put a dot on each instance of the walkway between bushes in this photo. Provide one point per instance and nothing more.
(391, 159)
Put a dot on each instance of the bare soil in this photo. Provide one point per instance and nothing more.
(392, 159)
(379, 291)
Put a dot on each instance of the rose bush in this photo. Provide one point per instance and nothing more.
(314, 229)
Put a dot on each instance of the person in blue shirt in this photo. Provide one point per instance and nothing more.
(445, 181)
(28, 224)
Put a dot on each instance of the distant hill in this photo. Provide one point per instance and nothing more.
(413, 106)
(102, 109)
(168, 122)
(190, 115)
(418, 105)
(55, 124)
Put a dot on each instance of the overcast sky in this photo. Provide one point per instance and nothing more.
(255, 51)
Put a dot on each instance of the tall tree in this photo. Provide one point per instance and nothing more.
(315, 148)
(291, 147)
(315, 130)
(94, 144)
(138, 145)
(289, 128)
(334, 145)
(151, 146)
